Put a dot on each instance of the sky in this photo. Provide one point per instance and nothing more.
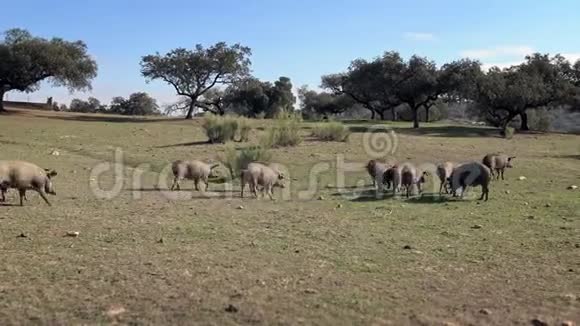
(299, 39)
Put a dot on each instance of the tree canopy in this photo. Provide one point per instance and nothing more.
(26, 60)
(386, 82)
(139, 103)
(192, 73)
(250, 97)
(91, 105)
(316, 104)
(540, 81)
(370, 84)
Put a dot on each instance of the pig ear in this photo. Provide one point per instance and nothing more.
(511, 158)
(51, 173)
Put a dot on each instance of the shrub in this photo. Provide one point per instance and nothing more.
(508, 132)
(287, 115)
(285, 132)
(539, 119)
(223, 129)
(331, 131)
(244, 128)
(237, 160)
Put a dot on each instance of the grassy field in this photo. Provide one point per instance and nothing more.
(320, 257)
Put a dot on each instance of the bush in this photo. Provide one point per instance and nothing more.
(331, 131)
(244, 127)
(235, 161)
(284, 133)
(539, 119)
(508, 132)
(223, 129)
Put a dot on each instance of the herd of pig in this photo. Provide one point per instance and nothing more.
(25, 176)
(452, 177)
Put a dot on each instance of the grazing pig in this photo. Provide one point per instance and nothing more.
(376, 171)
(411, 177)
(392, 176)
(471, 175)
(444, 171)
(258, 174)
(497, 163)
(192, 170)
(23, 176)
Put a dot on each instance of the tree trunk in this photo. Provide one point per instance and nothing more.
(415, 117)
(381, 114)
(524, 124)
(2, 100)
(394, 114)
(191, 108)
(427, 113)
(507, 120)
(372, 114)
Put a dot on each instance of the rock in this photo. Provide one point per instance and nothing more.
(240, 207)
(22, 235)
(73, 234)
(485, 311)
(55, 153)
(548, 205)
(160, 240)
(310, 291)
(320, 197)
(568, 323)
(507, 192)
(531, 217)
(526, 203)
(538, 322)
(407, 247)
(477, 226)
(569, 297)
(573, 187)
(339, 206)
(231, 308)
(522, 178)
(116, 310)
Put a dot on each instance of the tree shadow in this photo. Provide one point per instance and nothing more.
(10, 205)
(571, 156)
(437, 131)
(194, 194)
(348, 187)
(195, 143)
(363, 195)
(429, 198)
(114, 119)
(371, 196)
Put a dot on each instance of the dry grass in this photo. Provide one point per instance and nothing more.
(290, 261)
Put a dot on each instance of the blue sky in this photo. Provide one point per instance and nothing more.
(299, 39)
